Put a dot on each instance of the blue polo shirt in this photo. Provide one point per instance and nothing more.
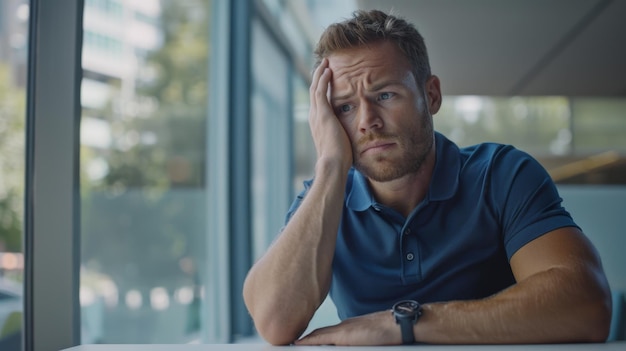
(483, 204)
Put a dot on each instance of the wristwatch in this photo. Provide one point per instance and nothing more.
(406, 313)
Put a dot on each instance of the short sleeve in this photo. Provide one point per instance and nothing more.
(298, 200)
(525, 198)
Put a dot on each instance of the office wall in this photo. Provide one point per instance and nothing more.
(601, 212)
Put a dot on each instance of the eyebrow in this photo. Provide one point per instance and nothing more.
(375, 87)
(333, 100)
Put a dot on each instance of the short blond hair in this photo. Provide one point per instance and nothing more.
(367, 27)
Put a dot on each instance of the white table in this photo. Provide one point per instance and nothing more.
(614, 346)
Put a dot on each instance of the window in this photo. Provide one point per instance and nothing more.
(578, 140)
(271, 123)
(13, 57)
(144, 174)
(304, 150)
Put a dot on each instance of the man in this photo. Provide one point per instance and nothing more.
(468, 245)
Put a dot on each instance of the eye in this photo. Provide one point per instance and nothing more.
(345, 108)
(385, 96)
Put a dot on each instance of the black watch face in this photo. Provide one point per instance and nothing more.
(407, 308)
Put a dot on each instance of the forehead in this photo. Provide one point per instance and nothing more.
(368, 64)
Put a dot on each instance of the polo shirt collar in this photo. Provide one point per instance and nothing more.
(445, 180)
(443, 184)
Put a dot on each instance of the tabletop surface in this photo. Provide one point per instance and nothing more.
(613, 346)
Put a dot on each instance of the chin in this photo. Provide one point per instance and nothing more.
(381, 174)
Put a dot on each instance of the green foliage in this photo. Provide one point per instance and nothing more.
(177, 125)
(12, 121)
(146, 218)
(529, 123)
(10, 222)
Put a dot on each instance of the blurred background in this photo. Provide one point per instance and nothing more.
(193, 139)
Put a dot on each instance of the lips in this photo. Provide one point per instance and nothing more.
(379, 145)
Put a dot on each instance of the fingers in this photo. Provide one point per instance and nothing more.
(320, 88)
(320, 91)
(330, 138)
(315, 81)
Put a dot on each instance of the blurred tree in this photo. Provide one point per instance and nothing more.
(169, 149)
(529, 123)
(143, 222)
(12, 122)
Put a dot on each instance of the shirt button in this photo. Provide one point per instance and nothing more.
(407, 231)
(410, 256)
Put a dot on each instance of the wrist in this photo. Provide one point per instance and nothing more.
(406, 314)
(331, 167)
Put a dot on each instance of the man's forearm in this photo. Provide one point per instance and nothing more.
(557, 305)
(286, 286)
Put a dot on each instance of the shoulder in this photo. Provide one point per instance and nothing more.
(502, 161)
(493, 152)
(482, 155)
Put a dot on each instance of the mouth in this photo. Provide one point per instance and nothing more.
(376, 147)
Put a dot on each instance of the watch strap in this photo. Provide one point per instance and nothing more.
(406, 328)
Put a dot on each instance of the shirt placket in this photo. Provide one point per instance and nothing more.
(411, 269)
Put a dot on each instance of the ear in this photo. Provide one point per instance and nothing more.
(432, 88)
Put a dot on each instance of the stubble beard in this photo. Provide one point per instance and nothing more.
(416, 145)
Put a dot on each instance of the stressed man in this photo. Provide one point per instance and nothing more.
(414, 238)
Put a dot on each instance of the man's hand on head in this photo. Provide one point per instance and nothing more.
(331, 141)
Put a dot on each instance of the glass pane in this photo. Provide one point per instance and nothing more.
(270, 127)
(578, 140)
(143, 174)
(599, 125)
(13, 63)
(304, 149)
(599, 142)
(535, 125)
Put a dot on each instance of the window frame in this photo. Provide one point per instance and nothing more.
(52, 202)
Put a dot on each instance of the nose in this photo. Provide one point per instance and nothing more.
(369, 117)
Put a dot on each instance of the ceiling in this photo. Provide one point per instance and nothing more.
(521, 47)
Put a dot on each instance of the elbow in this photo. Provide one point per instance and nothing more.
(596, 309)
(600, 322)
(278, 332)
(596, 321)
(278, 319)
(271, 321)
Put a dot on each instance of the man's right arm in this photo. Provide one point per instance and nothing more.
(289, 282)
